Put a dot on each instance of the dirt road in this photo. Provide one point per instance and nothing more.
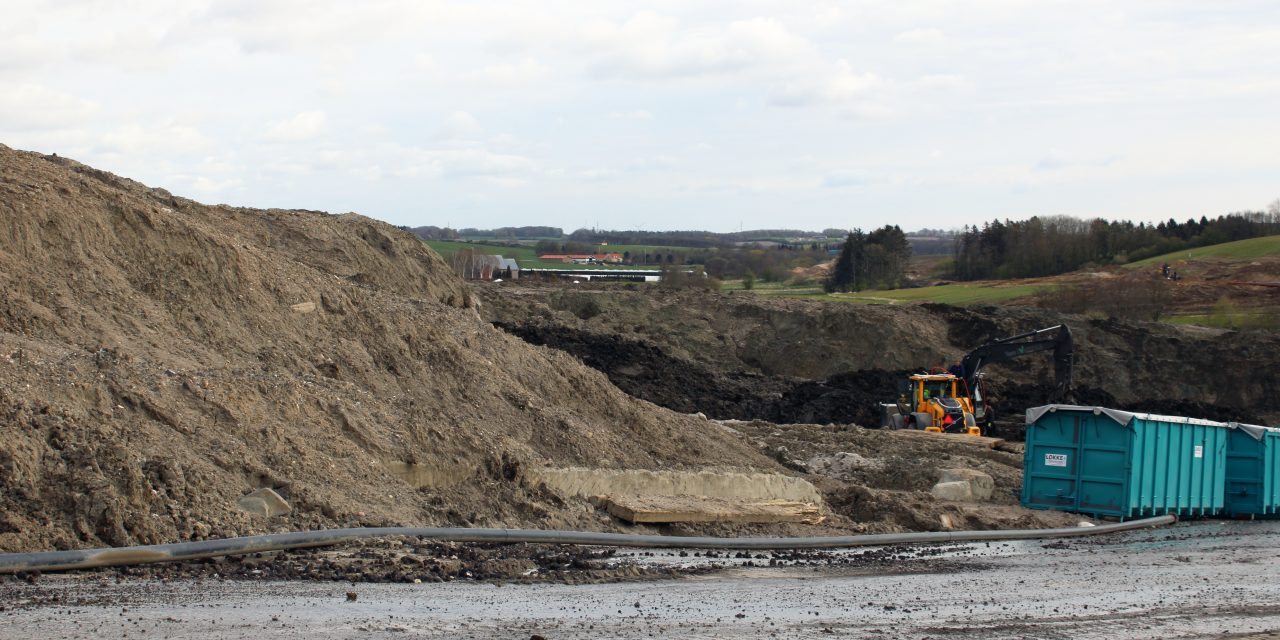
(1195, 580)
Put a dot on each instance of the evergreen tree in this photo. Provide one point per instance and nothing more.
(848, 270)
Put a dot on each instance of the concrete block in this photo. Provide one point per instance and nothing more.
(981, 485)
(957, 490)
(264, 502)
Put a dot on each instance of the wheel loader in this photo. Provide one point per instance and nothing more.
(955, 402)
(932, 402)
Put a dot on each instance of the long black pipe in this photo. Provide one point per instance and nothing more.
(117, 556)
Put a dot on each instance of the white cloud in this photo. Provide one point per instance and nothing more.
(371, 173)
(597, 174)
(840, 84)
(306, 125)
(424, 62)
(32, 106)
(457, 163)
(20, 50)
(634, 114)
(207, 185)
(652, 163)
(649, 45)
(460, 125)
(844, 179)
(942, 82)
(925, 36)
(300, 25)
(507, 73)
(506, 182)
(162, 139)
(1057, 160)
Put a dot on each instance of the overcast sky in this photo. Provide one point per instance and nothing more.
(681, 115)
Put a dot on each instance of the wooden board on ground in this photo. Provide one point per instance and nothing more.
(958, 439)
(665, 509)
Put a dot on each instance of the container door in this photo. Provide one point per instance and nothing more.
(1244, 475)
(1050, 462)
(1104, 466)
(1271, 474)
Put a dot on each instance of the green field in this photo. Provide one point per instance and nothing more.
(1241, 249)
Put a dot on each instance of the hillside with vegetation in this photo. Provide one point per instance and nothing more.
(1046, 246)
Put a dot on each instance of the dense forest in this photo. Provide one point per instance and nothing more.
(1045, 246)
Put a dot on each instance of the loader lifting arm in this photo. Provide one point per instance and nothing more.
(1057, 338)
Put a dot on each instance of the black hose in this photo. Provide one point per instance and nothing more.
(111, 557)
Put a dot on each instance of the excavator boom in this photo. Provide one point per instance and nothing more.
(1056, 338)
(961, 410)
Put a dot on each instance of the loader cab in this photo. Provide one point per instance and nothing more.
(926, 387)
(941, 405)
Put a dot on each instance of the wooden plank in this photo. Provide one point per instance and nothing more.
(955, 438)
(668, 509)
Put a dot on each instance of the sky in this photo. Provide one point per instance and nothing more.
(662, 115)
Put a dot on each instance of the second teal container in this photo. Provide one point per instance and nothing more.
(1107, 462)
(1253, 471)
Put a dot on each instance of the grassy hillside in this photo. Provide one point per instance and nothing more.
(1240, 249)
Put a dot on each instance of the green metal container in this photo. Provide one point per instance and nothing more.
(1253, 471)
(1107, 462)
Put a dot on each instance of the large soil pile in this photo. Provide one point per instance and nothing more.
(160, 358)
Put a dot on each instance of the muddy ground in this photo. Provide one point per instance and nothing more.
(1195, 580)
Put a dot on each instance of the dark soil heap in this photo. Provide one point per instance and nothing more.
(160, 358)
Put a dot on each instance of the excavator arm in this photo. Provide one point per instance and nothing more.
(1056, 338)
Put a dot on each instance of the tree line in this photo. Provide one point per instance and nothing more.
(1045, 246)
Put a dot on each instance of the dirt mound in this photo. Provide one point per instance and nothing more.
(160, 358)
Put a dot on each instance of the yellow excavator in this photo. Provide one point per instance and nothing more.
(955, 402)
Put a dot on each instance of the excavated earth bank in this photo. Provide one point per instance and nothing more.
(746, 357)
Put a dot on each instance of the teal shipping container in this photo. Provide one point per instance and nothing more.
(1107, 462)
(1253, 471)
